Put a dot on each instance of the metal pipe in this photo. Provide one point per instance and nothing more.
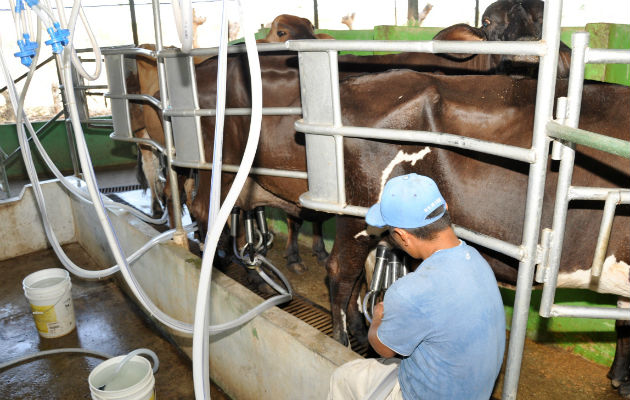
(134, 25)
(249, 227)
(141, 97)
(540, 143)
(446, 139)
(46, 61)
(607, 56)
(394, 268)
(234, 216)
(541, 270)
(148, 142)
(87, 87)
(527, 48)
(128, 50)
(180, 235)
(336, 110)
(593, 193)
(254, 171)
(72, 149)
(590, 312)
(41, 129)
(597, 141)
(380, 264)
(561, 114)
(233, 111)
(579, 43)
(503, 247)
(604, 232)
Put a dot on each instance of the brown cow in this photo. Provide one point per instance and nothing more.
(146, 121)
(287, 27)
(497, 108)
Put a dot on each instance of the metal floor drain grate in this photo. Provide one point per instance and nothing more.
(120, 189)
(300, 307)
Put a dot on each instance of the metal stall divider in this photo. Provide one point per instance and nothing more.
(329, 180)
(566, 131)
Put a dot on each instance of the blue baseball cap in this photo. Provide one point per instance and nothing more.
(406, 202)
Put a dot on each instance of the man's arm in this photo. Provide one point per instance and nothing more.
(376, 343)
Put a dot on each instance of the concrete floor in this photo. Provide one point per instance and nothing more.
(107, 321)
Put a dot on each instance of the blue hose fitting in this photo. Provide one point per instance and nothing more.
(19, 6)
(32, 3)
(58, 37)
(27, 50)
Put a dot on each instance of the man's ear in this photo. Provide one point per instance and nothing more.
(402, 236)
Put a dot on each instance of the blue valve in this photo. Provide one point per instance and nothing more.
(19, 6)
(58, 37)
(27, 50)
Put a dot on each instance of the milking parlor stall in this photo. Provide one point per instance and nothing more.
(184, 216)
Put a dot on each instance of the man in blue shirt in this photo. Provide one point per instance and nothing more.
(445, 320)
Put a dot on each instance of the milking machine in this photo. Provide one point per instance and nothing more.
(258, 237)
(61, 41)
(389, 266)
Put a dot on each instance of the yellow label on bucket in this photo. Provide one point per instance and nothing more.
(44, 315)
(152, 396)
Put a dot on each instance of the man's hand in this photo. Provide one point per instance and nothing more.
(377, 345)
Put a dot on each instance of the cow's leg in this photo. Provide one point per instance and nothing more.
(354, 317)
(151, 167)
(619, 373)
(344, 268)
(319, 249)
(291, 253)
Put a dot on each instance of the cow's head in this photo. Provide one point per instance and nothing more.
(513, 20)
(288, 27)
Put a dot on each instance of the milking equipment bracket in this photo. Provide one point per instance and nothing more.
(320, 105)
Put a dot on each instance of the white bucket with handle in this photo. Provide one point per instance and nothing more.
(50, 296)
(127, 377)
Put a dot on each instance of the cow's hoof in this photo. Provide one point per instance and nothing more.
(297, 268)
(624, 390)
(617, 381)
(322, 258)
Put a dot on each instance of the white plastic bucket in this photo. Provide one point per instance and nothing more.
(134, 381)
(49, 292)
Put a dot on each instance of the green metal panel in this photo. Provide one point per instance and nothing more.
(359, 34)
(598, 39)
(619, 39)
(609, 36)
(105, 152)
(565, 34)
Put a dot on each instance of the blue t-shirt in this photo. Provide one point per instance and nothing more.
(447, 320)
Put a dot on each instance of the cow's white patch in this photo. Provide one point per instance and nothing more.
(370, 262)
(613, 279)
(400, 158)
(360, 304)
(344, 325)
(623, 303)
(362, 233)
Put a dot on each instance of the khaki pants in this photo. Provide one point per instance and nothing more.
(357, 379)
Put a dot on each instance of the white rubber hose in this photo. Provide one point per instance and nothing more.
(202, 316)
(182, 11)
